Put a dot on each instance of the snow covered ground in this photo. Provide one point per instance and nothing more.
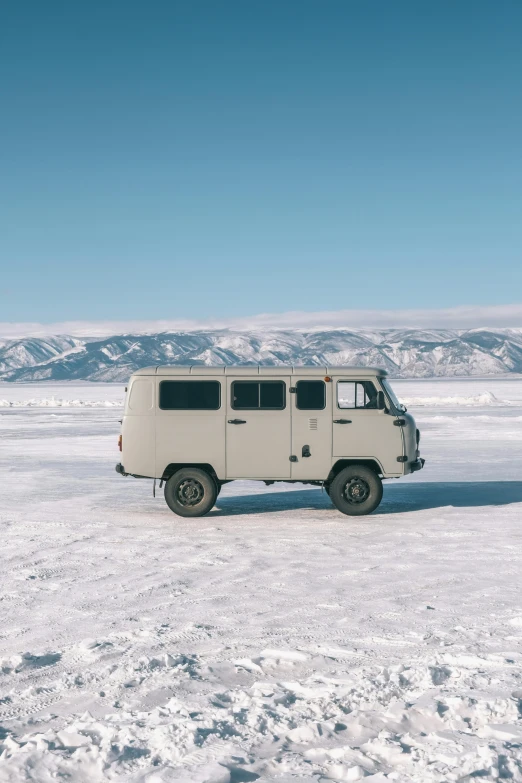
(274, 639)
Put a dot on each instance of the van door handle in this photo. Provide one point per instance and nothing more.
(342, 421)
(236, 421)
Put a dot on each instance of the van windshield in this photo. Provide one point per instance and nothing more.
(391, 394)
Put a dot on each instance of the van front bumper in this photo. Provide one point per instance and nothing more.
(417, 465)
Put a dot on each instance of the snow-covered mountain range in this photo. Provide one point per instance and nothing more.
(406, 353)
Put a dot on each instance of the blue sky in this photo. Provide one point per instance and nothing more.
(204, 159)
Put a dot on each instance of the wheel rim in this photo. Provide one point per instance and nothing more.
(190, 492)
(356, 490)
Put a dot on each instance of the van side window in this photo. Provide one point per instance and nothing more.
(356, 394)
(311, 395)
(258, 395)
(189, 395)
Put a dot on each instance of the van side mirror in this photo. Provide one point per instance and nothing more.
(381, 402)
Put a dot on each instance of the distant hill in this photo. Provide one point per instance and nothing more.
(406, 353)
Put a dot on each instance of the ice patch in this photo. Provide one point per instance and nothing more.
(53, 402)
(464, 419)
(486, 398)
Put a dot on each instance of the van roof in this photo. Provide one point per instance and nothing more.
(256, 369)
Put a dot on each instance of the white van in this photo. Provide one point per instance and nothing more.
(198, 427)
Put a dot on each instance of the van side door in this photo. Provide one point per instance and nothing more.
(311, 427)
(360, 429)
(258, 434)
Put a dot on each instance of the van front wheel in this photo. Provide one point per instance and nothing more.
(356, 490)
(190, 492)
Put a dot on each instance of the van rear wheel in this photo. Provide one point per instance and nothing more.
(190, 492)
(356, 490)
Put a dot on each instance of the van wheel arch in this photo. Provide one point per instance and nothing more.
(344, 463)
(175, 466)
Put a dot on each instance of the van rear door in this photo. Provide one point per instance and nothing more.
(258, 427)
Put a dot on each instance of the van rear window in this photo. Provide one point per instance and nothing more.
(258, 395)
(190, 395)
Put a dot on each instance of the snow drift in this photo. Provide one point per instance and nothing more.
(478, 400)
(53, 402)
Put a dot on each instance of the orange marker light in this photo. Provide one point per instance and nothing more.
(120, 442)
(327, 378)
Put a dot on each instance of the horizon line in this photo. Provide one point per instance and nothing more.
(460, 318)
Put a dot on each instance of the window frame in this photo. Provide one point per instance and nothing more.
(355, 407)
(259, 382)
(309, 380)
(198, 380)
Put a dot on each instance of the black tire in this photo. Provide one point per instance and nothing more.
(190, 492)
(356, 490)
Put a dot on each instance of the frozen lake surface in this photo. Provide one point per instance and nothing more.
(274, 639)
